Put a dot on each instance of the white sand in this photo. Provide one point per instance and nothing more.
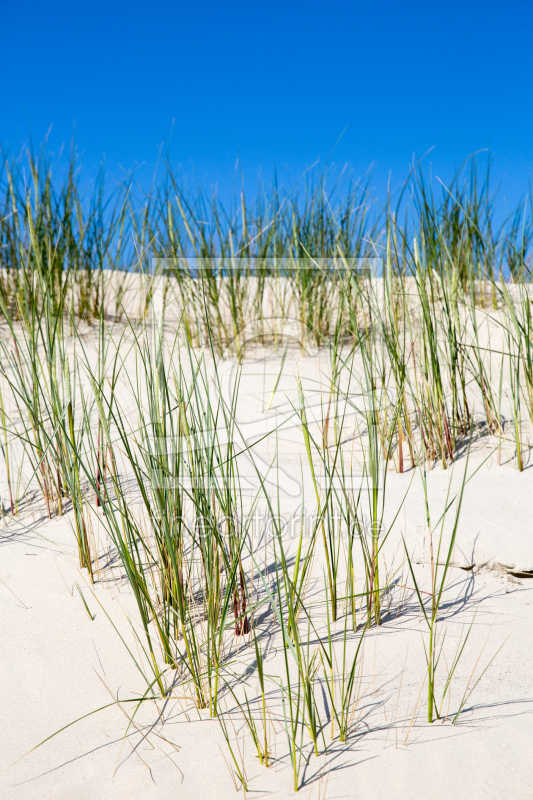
(56, 664)
(52, 655)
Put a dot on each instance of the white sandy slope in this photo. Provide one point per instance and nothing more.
(57, 665)
(55, 661)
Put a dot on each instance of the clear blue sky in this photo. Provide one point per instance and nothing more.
(273, 82)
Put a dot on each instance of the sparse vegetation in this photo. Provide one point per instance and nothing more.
(127, 325)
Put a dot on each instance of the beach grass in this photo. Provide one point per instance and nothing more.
(121, 313)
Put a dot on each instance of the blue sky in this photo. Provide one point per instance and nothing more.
(273, 83)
